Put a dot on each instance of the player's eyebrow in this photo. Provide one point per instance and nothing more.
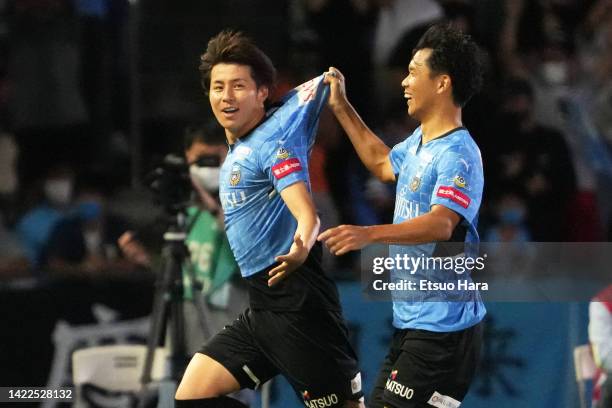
(233, 80)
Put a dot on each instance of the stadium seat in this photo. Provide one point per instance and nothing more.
(114, 370)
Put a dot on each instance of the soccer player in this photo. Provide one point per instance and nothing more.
(438, 171)
(294, 324)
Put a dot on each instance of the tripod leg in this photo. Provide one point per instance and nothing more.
(159, 315)
(197, 299)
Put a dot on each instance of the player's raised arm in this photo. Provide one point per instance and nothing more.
(372, 151)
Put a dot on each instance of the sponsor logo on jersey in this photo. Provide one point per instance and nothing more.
(326, 401)
(459, 181)
(454, 195)
(443, 401)
(282, 153)
(415, 184)
(406, 209)
(235, 175)
(286, 167)
(398, 389)
(232, 199)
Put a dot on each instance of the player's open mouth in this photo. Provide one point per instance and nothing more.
(408, 98)
(229, 112)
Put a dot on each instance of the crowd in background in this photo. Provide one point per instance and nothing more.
(543, 120)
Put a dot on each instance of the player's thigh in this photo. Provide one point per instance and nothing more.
(376, 395)
(229, 361)
(206, 378)
(433, 369)
(314, 355)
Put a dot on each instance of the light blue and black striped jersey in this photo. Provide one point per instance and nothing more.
(445, 171)
(258, 167)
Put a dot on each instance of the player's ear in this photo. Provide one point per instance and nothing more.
(444, 83)
(262, 94)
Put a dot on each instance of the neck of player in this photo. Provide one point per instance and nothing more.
(233, 134)
(440, 120)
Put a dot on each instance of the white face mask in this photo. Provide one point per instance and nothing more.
(58, 191)
(205, 177)
(555, 72)
(93, 241)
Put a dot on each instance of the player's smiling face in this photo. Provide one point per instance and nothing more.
(235, 98)
(420, 84)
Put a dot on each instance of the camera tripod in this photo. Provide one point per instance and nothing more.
(168, 304)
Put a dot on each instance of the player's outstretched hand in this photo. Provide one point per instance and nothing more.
(345, 238)
(337, 90)
(289, 262)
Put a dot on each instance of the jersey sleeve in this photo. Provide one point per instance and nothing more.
(285, 162)
(600, 333)
(459, 182)
(397, 156)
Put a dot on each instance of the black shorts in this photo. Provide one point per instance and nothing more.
(425, 369)
(310, 348)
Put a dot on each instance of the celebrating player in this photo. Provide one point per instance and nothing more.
(294, 324)
(438, 170)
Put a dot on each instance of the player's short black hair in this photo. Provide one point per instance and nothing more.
(233, 47)
(458, 56)
(209, 133)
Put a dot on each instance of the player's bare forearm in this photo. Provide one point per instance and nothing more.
(435, 226)
(372, 151)
(299, 201)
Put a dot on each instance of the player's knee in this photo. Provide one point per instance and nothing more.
(218, 402)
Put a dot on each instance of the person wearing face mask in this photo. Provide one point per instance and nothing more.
(84, 243)
(510, 212)
(53, 204)
(211, 257)
(535, 159)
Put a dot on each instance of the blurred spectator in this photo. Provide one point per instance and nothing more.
(511, 213)
(84, 242)
(52, 202)
(532, 158)
(600, 336)
(44, 65)
(596, 59)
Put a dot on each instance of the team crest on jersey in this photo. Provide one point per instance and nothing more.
(282, 153)
(459, 181)
(415, 184)
(235, 175)
(393, 375)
